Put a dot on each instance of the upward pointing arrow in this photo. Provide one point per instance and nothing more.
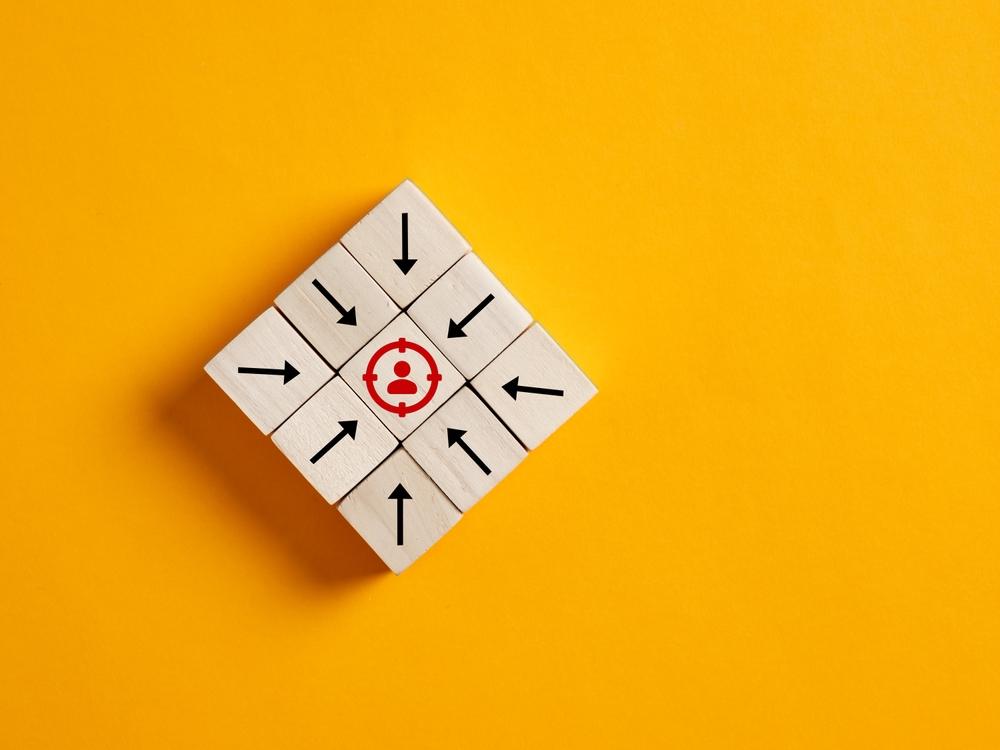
(288, 371)
(350, 427)
(455, 329)
(405, 263)
(399, 495)
(455, 438)
(347, 317)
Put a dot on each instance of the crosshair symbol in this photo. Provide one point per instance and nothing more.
(402, 409)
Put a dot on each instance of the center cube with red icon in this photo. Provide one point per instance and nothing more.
(427, 380)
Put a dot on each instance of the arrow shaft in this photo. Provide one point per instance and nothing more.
(329, 297)
(475, 311)
(258, 371)
(406, 237)
(472, 454)
(326, 448)
(540, 391)
(399, 521)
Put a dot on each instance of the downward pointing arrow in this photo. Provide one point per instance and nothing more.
(404, 263)
(455, 329)
(350, 427)
(455, 437)
(513, 389)
(289, 372)
(399, 495)
(348, 317)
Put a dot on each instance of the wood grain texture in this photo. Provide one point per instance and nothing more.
(537, 361)
(402, 328)
(317, 423)
(268, 342)
(449, 464)
(433, 243)
(427, 513)
(336, 333)
(470, 292)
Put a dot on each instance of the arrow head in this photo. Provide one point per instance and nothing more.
(349, 318)
(511, 388)
(290, 372)
(405, 264)
(455, 330)
(400, 493)
(454, 436)
(350, 427)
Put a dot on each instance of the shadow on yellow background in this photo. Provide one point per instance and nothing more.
(263, 484)
(259, 481)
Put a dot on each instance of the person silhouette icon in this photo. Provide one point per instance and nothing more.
(402, 386)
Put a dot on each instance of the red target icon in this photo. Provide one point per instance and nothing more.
(402, 385)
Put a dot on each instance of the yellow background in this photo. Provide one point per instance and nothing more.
(768, 232)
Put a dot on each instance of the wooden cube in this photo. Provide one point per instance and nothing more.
(465, 449)
(268, 370)
(399, 511)
(402, 376)
(336, 306)
(470, 315)
(334, 440)
(405, 243)
(534, 386)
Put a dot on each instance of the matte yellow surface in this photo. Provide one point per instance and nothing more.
(768, 232)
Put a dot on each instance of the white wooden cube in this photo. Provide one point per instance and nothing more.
(268, 370)
(534, 386)
(336, 305)
(470, 315)
(465, 449)
(334, 440)
(405, 243)
(402, 376)
(399, 511)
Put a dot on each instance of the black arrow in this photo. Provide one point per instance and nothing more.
(399, 495)
(289, 372)
(513, 388)
(455, 436)
(348, 318)
(404, 263)
(350, 428)
(455, 329)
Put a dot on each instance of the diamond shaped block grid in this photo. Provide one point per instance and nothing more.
(430, 407)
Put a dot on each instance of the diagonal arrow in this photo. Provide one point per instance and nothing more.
(513, 389)
(455, 436)
(347, 317)
(289, 372)
(405, 263)
(350, 428)
(455, 329)
(399, 495)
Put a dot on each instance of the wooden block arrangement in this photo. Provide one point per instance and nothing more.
(470, 315)
(534, 386)
(405, 243)
(462, 377)
(402, 376)
(465, 449)
(336, 306)
(399, 511)
(334, 440)
(268, 370)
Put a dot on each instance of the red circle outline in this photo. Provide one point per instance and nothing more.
(433, 376)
